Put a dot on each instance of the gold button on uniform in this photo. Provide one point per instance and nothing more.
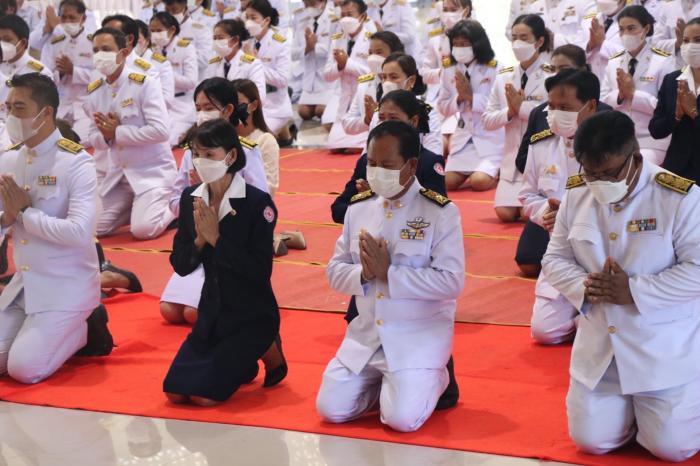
(27, 187)
(25, 268)
(612, 330)
(617, 208)
(380, 295)
(613, 236)
(380, 321)
(24, 241)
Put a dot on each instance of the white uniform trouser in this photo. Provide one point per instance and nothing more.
(148, 213)
(666, 422)
(34, 346)
(407, 397)
(553, 316)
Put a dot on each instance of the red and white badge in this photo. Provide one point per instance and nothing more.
(269, 214)
(439, 169)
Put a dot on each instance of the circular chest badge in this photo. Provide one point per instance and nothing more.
(439, 169)
(269, 214)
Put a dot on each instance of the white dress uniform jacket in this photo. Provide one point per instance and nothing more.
(243, 66)
(653, 65)
(654, 237)
(496, 116)
(182, 56)
(156, 67)
(204, 16)
(37, 37)
(411, 316)
(314, 89)
(29, 14)
(25, 64)
(275, 56)
(56, 232)
(470, 129)
(397, 16)
(563, 17)
(436, 50)
(201, 36)
(669, 14)
(598, 58)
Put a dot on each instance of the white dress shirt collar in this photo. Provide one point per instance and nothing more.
(236, 190)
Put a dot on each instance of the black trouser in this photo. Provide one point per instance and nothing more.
(532, 244)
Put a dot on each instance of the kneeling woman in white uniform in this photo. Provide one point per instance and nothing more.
(401, 256)
(474, 153)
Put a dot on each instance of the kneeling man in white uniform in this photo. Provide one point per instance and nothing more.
(49, 203)
(401, 255)
(626, 253)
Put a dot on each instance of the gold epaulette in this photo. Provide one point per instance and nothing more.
(437, 198)
(541, 135)
(137, 77)
(447, 62)
(617, 55)
(69, 146)
(334, 19)
(279, 37)
(574, 181)
(400, 2)
(547, 68)
(15, 146)
(433, 20)
(493, 63)
(183, 42)
(590, 16)
(364, 195)
(674, 182)
(297, 11)
(660, 52)
(369, 34)
(94, 85)
(247, 58)
(229, 9)
(365, 78)
(8, 83)
(35, 65)
(143, 64)
(89, 37)
(436, 32)
(147, 4)
(198, 25)
(216, 59)
(209, 13)
(507, 69)
(337, 35)
(159, 58)
(58, 39)
(247, 143)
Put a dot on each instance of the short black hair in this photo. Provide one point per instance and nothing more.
(143, 29)
(234, 28)
(223, 92)
(266, 10)
(695, 21)
(361, 5)
(406, 135)
(604, 135)
(6, 6)
(170, 2)
(639, 13)
(16, 25)
(128, 27)
(43, 90)
(118, 36)
(411, 106)
(475, 32)
(167, 20)
(219, 133)
(586, 83)
(574, 53)
(390, 39)
(77, 4)
(539, 29)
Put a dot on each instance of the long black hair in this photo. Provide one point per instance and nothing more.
(476, 34)
(222, 92)
(411, 106)
(235, 28)
(219, 133)
(408, 65)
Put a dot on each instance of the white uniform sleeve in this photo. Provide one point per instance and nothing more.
(447, 95)
(189, 78)
(343, 274)
(257, 75)
(167, 80)
(496, 115)
(354, 120)
(277, 71)
(270, 151)
(156, 128)
(534, 203)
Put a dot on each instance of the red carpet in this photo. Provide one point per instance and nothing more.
(512, 391)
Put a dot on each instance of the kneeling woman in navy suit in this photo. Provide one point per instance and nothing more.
(226, 225)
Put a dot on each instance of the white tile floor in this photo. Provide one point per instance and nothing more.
(37, 436)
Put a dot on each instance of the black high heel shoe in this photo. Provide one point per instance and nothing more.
(279, 373)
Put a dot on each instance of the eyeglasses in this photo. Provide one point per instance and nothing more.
(613, 177)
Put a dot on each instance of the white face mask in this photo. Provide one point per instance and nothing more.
(607, 7)
(388, 86)
(691, 54)
(450, 18)
(210, 170)
(9, 51)
(313, 12)
(610, 192)
(255, 29)
(523, 51)
(141, 48)
(180, 17)
(20, 129)
(105, 62)
(207, 115)
(192, 5)
(632, 42)
(222, 48)
(349, 24)
(72, 29)
(160, 38)
(385, 182)
(563, 123)
(463, 55)
(375, 63)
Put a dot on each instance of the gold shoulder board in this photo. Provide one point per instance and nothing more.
(447, 62)
(618, 54)
(216, 59)
(400, 2)
(541, 135)
(69, 146)
(574, 181)
(433, 20)
(334, 19)
(660, 52)
(590, 16)
(94, 85)
(208, 13)
(507, 69)
(369, 34)
(279, 37)
(436, 32)
(547, 68)
(15, 146)
(136, 77)
(183, 42)
(247, 58)
(674, 182)
(35, 65)
(437, 198)
(58, 39)
(247, 143)
(89, 37)
(143, 64)
(365, 78)
(159, 58)
(361, 196)
(229, 9)
(493, 63)
(337, 35)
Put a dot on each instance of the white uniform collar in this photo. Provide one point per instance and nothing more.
(23, 60)
(645, 49)
(411, 193)
(687, 75)
(46, 146)
(236, 190)
(535, 66)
